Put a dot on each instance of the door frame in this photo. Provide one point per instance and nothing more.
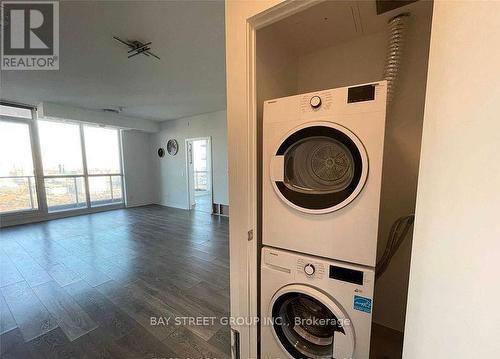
(245, 266)
(187, 141)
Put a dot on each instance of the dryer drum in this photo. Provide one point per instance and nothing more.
(322, 168)
(318, 165)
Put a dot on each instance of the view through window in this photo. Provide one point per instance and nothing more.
(60, 146)
(201, 183)
(81, 163)
(68, 174)
(103, 165)
(17, 181)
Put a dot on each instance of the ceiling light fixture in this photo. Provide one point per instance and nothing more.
(111, 110)
(137, 47)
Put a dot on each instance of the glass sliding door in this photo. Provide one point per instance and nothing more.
(102, 152)
(17, 179)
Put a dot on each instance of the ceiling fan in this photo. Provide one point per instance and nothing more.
(137, 47)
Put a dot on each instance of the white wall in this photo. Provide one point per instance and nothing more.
(454, 285)
(276, 73)
(276, 66)
(172, 189)
(149, 179)
(138, 167)
(359, 61)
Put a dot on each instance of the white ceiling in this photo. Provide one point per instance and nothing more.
(331, 22)
(95, 72)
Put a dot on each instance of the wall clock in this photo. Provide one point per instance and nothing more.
(172, 147)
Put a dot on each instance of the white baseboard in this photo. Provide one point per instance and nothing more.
(139, 204)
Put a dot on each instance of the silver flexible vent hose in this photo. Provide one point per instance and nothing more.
(397, 36)
(395, 47)
(397, 235)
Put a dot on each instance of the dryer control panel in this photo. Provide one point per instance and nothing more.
(317, 102)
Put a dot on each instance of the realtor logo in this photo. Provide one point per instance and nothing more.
(30, 35)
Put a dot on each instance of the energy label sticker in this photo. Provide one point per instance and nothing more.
(362, 304)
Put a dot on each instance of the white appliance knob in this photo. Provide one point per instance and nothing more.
(315, 101)
(309, 269)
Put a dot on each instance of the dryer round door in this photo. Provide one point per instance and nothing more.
(319, 167)
(309, 324)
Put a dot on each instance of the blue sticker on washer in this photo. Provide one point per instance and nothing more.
(363, 304)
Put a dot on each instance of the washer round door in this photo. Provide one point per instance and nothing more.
(319, 167)
(308, 324)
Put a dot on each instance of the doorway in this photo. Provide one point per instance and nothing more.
(199, 170)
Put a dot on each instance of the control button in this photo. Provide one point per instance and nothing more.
(315, 102)
(309, 269)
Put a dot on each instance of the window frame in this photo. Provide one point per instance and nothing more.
(89, 206)
(42, 212)
(110, 175)
(32, 130)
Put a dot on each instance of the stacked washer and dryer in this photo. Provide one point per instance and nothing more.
(322, 173)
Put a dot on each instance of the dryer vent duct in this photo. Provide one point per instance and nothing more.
(397, 36)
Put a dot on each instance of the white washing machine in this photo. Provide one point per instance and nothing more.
(322, 169)
(314, 308)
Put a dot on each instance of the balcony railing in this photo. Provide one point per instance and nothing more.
(63, 192)
(69, 191)
(105, 189)
(17, 193)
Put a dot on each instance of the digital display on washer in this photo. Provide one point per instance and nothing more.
(361, 93)
(346, 275)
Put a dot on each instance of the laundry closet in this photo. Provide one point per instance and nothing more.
(344, 44)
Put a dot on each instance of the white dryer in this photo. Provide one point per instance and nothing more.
(322, 169)
(314, 308)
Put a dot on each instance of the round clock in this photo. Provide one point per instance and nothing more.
(172, 147)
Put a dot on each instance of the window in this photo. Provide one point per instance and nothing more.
(78, 159)
(200, 164)
(61, 148)
(61, 151)
(17, 181)
(65, 193)
(79, 165)
(102, 150)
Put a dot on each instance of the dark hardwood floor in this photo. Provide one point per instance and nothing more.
(89, 286)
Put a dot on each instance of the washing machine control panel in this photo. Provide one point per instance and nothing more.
(310, 269)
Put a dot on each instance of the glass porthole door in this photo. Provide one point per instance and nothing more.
(310, 325)
(319, 167)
